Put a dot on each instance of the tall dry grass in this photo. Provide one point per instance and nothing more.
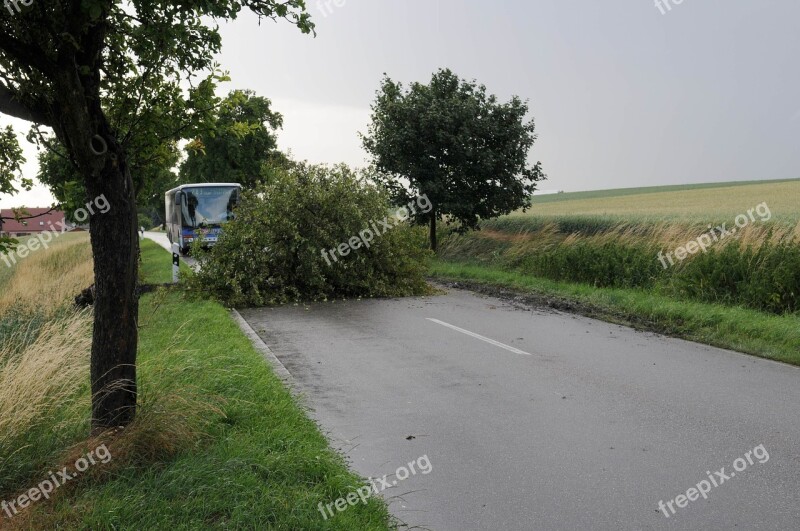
(47, 280)
(42, 375)
(45, 396)
(44, 355)
(756, 265)
(664, 234)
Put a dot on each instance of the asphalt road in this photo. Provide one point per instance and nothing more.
(562, 423)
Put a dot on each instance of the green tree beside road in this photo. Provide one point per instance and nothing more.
(11, 161)
(456, 144)
(106, 77)
(240, 141)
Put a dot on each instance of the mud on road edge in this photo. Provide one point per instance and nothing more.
(532, 300)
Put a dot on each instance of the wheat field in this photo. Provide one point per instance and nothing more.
(47, 279)
(716, 204)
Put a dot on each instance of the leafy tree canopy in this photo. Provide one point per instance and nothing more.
(239, 143)
(11, 161)
(455, 143)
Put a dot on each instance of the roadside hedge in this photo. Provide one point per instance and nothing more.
(763, 276)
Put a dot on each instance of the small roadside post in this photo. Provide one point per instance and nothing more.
(176, 262)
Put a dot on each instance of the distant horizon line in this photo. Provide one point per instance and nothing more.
(707, 183)
(539, 193)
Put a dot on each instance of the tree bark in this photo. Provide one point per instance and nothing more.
(84, 130)
(434, 243)
(115, 245)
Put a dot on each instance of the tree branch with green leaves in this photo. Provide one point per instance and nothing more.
(456, 144)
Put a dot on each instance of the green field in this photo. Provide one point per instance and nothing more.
(715, 202)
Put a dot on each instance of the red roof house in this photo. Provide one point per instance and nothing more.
(45, 221)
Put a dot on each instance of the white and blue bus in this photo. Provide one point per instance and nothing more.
(199, 211)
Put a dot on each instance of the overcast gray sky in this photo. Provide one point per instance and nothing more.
(622, 94)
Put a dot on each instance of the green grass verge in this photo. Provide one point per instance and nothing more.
(156, 265)
(263, 464)
(749, 331)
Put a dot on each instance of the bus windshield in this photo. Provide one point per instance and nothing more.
(208, 206)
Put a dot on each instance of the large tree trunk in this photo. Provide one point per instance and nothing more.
(115, 244)
(84, 129)
(434, 243)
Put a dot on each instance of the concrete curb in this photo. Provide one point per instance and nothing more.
(280, 369)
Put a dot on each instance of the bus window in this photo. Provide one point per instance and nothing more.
(212, 206)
